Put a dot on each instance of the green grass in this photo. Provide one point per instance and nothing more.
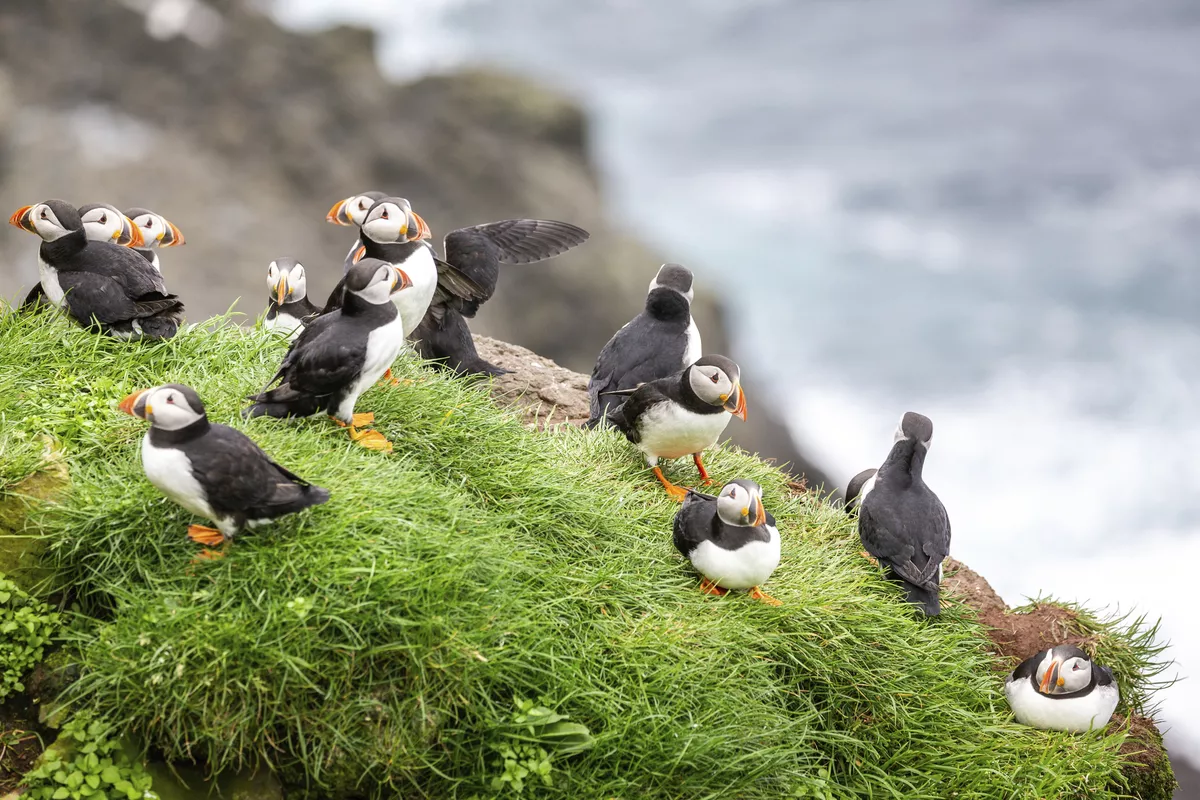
(378, 641)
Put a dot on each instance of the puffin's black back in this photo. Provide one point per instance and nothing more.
(650, 347)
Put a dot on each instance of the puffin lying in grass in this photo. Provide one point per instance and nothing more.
(1060, 689)
(341, 354)
(213, 470)
(730, 539)
(682, 415)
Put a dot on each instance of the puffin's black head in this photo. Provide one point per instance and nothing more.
(917, 427)
(673, 276)
(854, 491)
(171, 406)
(1063, 669)
(376, 281)
(353, 210)
(51, 220)
(717, 381)
(286, 278)
(391, 220)
(157, 230)
(740, 503)
(103, 222)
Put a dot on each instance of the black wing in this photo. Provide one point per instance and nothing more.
(478, 251)
(627, 416)
(644, 350)
(913, 543)
(135, 274)
(693, 521)
(1102, 675)
(89, 295)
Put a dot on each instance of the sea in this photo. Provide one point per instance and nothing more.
(986, 211)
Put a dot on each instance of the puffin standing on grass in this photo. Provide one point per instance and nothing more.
(655, 344)
(353, 211)
(211, 470)
(102, 286)
(289, 308)
(157, 231)
(1060, 689)
(902, 523)
(682, 415)
(340, 355)
(730, 539)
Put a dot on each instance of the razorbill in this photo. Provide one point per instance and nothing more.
(213, 471)
(353, 211)
(289, 308)
(655, 344)
(901, 522)
(1060, 689)
(730, 539)
(340, 355)
(157, 231)
(858, 488)
(682, 415)
(102, 286)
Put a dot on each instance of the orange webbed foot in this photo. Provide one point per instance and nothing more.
(868, 557)
(708, 587)
(763, 597)
(372, 440)
(677, 493)
(202, 534)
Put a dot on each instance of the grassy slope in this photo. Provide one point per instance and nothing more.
(385, 633)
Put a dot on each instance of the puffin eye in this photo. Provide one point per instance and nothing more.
(171, 399)
(362, 206)
(384, 214)
(1075, 667)
(103, 219)
(44, 214)
(713, 378)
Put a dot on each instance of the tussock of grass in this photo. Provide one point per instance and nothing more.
(377, 641)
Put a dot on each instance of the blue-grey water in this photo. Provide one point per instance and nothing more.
(985, 211)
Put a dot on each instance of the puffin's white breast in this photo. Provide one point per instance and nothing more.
(48, 275)
(285, 323)
(748, 566)
(383, 345)
(693, 350)
(171, 471)
(413, 302)
(1034, 709)
(670, 431)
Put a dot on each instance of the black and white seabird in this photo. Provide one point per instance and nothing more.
(1060, 689)
(102, 286)
(289, 308)
(858, 488)
(353, 211)
(212, 470)
(340, 355)
(447, 291)
(730, 539)
(682, 415)
(157, 231)
(902, 523)
(655, 344)
(103, 222)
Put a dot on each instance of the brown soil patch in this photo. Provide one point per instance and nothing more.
(19, 746)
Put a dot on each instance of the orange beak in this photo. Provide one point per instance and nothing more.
(22, 219)
(173, 237)
(129, 402)
(737, 407)
(1051, 676)
(281, 290)
(135, 235)
(337, 214)
(761, 516)
(403, 281)
(359, 253)
(422, 228)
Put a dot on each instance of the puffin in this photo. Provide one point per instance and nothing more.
(289, 308)
(902, 523)
(730, 539)
(449, 290)
(655, 344)
(157, 231)
(340, 355)
(1061, 689)
(353, 211)
(103, 286)
(102, 222)
(858, 488)
(682, 414)
(212, 470)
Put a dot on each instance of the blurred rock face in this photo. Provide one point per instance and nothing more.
(243, 135)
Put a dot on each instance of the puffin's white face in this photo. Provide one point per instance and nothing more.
(379, 290)
(1063, 676)
(287, 282)
(738, 504)
(103, 224)
(44, 222)
(711, 384)
(899, 435)
(166, 408)
(391, 221)
(356, 208)
(157, 231)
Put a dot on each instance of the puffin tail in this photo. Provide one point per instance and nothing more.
(450, 346)
(282, 401)
(926, 598)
